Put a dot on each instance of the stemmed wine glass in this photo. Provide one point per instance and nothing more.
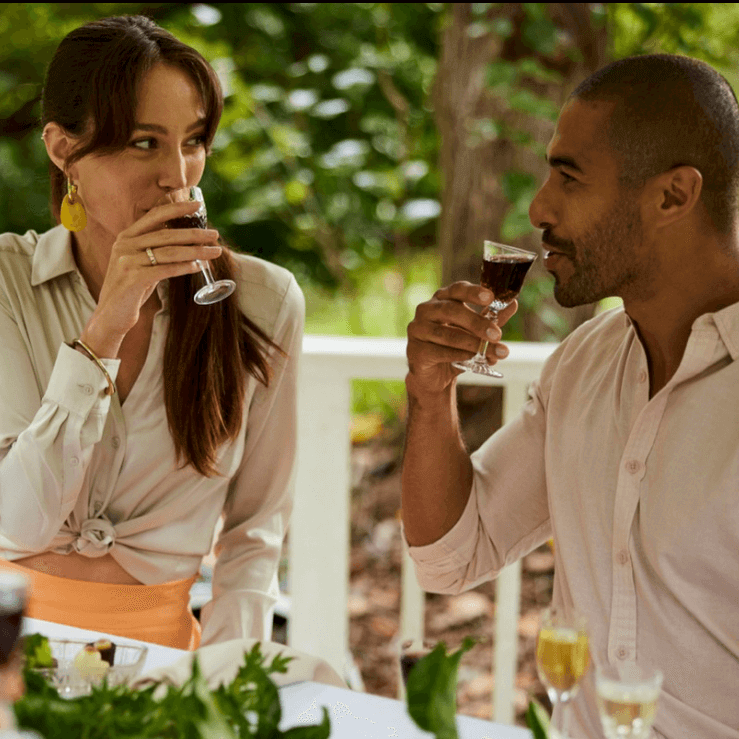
(503, 271)
(627, 699)
(213, 291)
(562, 658)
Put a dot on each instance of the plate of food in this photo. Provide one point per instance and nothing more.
(73, 666)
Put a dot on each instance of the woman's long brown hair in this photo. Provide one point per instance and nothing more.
(90, 90)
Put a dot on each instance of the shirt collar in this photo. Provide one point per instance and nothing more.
(52, 256)
(727, 323)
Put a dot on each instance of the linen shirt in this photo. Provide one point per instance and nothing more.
(641, 497)
(81, 472)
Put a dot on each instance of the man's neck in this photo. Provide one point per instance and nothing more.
(665, 319)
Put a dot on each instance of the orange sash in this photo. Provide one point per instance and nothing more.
(154, 613)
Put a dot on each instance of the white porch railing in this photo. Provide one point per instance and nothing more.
(319, 530)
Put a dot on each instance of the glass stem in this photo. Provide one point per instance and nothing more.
(205, 269)
(482, 349)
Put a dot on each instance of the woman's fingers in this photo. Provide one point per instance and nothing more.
(182, 253)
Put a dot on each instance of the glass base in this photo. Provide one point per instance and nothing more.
(214, 292)
(479, 366)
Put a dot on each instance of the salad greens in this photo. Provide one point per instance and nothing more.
(248, 707)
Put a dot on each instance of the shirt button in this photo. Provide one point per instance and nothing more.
(116, 442)
(622, 653)
(87, 389)
(633, 466)
(642, 376)
(74, 461)
(622, 557)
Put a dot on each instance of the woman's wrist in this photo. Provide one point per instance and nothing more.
(105, 344)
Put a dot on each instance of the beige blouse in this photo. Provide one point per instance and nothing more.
(642, 498)
(79, 472)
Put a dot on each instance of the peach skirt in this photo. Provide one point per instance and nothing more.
(154, 613)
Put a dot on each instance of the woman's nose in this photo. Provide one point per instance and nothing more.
(173, 173)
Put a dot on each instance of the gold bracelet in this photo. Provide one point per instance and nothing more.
(110, 390)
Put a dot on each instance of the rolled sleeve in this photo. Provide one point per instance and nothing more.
(46, 444)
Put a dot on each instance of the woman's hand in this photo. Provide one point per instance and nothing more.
(445, 330)
(131, 277)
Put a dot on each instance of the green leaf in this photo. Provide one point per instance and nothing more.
(432, 690)
(537, 720)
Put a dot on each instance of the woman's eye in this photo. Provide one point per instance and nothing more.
(144, 144)
(199, 140)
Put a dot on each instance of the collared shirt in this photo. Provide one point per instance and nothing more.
(641, 497)
(81, 472)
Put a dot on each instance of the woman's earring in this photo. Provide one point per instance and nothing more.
(72, 214)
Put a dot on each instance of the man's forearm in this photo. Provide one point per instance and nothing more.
(437, 472)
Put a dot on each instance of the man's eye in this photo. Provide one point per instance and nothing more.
(566, 177)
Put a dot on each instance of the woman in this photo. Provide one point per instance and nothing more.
(131, 418)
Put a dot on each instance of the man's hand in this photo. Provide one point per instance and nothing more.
(445, 330)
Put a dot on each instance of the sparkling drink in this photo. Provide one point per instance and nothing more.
(562, 657)
(627, 699)
(627, 713)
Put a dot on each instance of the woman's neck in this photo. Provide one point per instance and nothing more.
(92, 256)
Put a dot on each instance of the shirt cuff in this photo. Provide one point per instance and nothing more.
(456, 548)
(78, 385)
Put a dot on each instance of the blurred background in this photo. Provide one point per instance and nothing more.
(370, 148)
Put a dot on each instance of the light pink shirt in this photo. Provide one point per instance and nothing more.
(79, 472)
(642, 499)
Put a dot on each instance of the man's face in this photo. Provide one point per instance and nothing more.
(591, 225)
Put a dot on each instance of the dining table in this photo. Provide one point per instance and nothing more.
(353, 714)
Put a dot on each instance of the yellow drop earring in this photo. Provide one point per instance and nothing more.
(73, 214)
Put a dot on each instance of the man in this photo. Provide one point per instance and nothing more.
(627, 452)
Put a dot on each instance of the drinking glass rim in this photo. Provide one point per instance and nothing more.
(515, 249)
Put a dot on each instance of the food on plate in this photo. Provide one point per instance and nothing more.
(90, 664)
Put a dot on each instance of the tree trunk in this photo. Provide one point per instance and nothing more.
(473, 165)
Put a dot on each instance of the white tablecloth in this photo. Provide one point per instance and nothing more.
(354, 715)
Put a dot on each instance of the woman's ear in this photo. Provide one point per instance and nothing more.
(59, 144)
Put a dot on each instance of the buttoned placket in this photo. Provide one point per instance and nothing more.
(622, 635)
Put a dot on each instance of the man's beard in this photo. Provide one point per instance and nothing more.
(604, 260)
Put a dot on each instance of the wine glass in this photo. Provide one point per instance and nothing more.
(503, 271)
(627, 699)
(562, 658)
(213, 291)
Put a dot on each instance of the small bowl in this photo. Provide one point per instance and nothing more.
(70, 683)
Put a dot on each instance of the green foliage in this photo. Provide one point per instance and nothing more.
(247, 707)
(537, 720)
(431, 690)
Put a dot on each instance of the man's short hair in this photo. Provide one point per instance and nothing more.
(672, 110)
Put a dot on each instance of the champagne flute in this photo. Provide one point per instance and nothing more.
(562, 658)
(213, 291)
(627, 699)
(503, 271)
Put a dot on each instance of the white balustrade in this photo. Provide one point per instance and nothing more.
(319, 530)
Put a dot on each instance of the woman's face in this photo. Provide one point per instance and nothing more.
(166, 151)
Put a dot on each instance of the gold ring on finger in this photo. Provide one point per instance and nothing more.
(152, 258)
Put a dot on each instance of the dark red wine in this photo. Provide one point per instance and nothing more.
(196, 220)
(407, 663)
(10, 626)
(504, 275)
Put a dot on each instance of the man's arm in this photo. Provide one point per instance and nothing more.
(437, 472)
